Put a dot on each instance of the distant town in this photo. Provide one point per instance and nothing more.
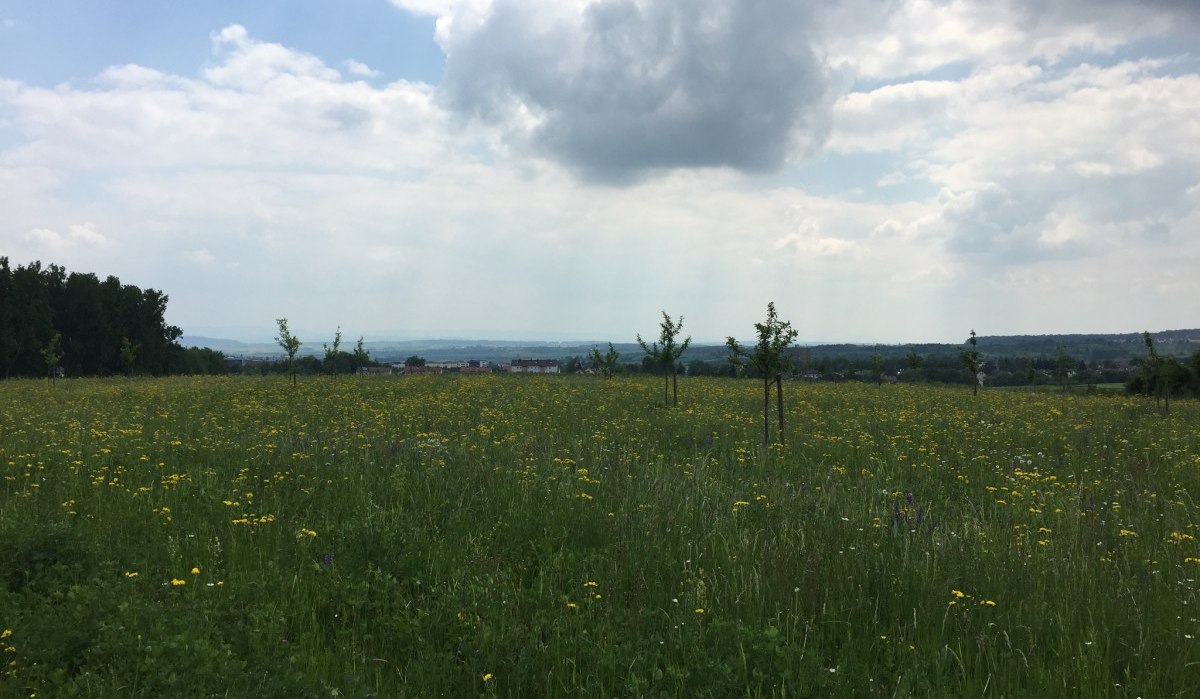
(469, 366)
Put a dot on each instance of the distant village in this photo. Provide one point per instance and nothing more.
(471, 366)
(1110, 361)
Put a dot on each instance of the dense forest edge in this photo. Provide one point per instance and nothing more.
(54, 323)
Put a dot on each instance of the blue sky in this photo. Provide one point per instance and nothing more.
(515, 169)
(175, 36)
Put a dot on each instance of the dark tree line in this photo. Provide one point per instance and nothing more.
(1161, 376)
(105, 327)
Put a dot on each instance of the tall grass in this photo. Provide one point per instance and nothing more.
(567, 536)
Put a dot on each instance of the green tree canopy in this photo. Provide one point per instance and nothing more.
(92, 317)
(769, 358)
(290, 344)
(667, 351)
(970, 361)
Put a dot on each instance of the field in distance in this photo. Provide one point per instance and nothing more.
(569, 536)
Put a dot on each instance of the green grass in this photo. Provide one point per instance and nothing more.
(566, 536)
(1075, 389)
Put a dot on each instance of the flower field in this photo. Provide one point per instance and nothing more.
(567, 536)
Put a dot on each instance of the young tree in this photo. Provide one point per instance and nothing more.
(666, 355)
(877, 368)
(52, 354)
(915, 363)
(362, 357)
(129, 352)
(1062, 369)
(290, 344)
(1158, 373)
(970, 362)
(606, 364)
(769, 358)
(1030, 372)
(331, 353)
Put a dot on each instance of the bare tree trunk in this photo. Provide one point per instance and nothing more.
(779, 402)
(666, 385)
(766, 410)
(675, 388)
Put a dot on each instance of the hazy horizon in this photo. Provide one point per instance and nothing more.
(316, 339)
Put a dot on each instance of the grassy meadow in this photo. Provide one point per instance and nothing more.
(528, 536)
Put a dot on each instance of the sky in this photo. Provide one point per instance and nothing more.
(882, 170)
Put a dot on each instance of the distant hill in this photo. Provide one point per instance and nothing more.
(214, 343)
(1090, 347)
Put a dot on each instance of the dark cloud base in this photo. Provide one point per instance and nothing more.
(629, 88)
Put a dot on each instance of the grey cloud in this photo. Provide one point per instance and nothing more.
(992, 223)
(1184, 15)
(625, 88)
(1158, 192)
(347, 116)
(1005, 224)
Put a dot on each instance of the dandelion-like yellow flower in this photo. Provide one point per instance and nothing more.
(6, 633)
(488, 677)
(571, 605)
(176, 582)
(131, 574)
(195, 571)
(699, 610)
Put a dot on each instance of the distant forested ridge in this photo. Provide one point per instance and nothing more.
(104, 327)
